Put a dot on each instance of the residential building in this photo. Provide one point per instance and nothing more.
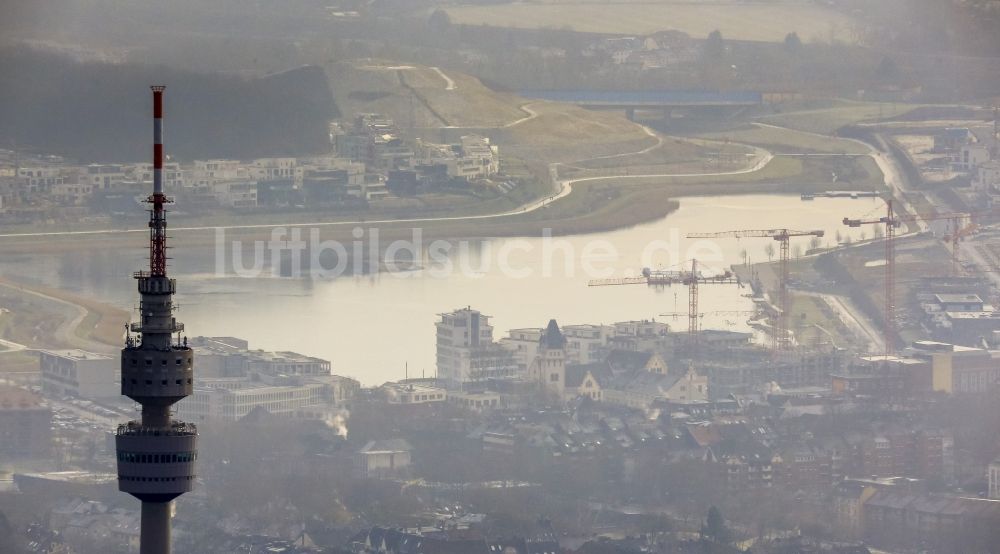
(587, 343)
(206, 172)
(78, 373)
(173, 174)
(849, 497)
(105, 176)
(466, 351)
(416, 391)
(894, 518)
(586, 381)
(25, 424)
(640, 389)
(383, 459)
(40, 178)
(524, 345)
(644, 335)
(970, 156)
(374, 140)
(478, 401)
(471, 159)
(270, 169)
(987, 177)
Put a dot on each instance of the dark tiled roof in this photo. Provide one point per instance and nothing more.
(553, 338)
(628, 360)
(576, 373)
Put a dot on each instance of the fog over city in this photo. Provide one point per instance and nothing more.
(500, 276)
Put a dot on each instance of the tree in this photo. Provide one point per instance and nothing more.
(715, 527)
(743, 254)
(793, 43)
(839, 237)
(715, 46)
(815, 243)
(769, 250)
(439, 21)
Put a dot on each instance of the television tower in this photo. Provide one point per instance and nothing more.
(156, 455)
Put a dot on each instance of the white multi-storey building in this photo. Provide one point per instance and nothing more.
(463, 336)
(269, 169)
(586, 343)
(78, 373)
(524, 345)
(103, 176)
(987, 176)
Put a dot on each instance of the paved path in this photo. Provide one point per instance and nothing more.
(762, 158)
(887, 163)
(449, 83)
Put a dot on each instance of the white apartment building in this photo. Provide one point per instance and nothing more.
(78, 373)
(41, 178)
(459, 334)
(971, 156)
(524, 344)
(383, 459)
(472, 158)
(586, 343)
(173, 174)
(270, 169)
(235, 193)
(987, 176)
(206, 172)
(413, 393)
(102, 176)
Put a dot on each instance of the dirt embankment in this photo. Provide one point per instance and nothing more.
(101, 324)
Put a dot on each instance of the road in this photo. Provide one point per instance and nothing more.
(762, 158)
(853, 318)
(886, 162)
(65, 334)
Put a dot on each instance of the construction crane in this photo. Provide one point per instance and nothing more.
(955, 236)
(661, 278)
(780, 339)
(892, 222)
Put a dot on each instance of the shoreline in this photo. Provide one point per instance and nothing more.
(634, 205)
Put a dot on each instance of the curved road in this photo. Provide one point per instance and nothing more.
(886, 162)
(763, 157)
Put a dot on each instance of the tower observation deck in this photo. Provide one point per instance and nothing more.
(156, 455)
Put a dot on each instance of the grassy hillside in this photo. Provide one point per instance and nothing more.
(427, 99)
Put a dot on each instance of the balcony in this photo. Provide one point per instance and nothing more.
(176, 429)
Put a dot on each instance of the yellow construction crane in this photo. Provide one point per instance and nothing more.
(780, 339)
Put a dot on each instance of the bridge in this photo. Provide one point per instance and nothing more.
(648, 100)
